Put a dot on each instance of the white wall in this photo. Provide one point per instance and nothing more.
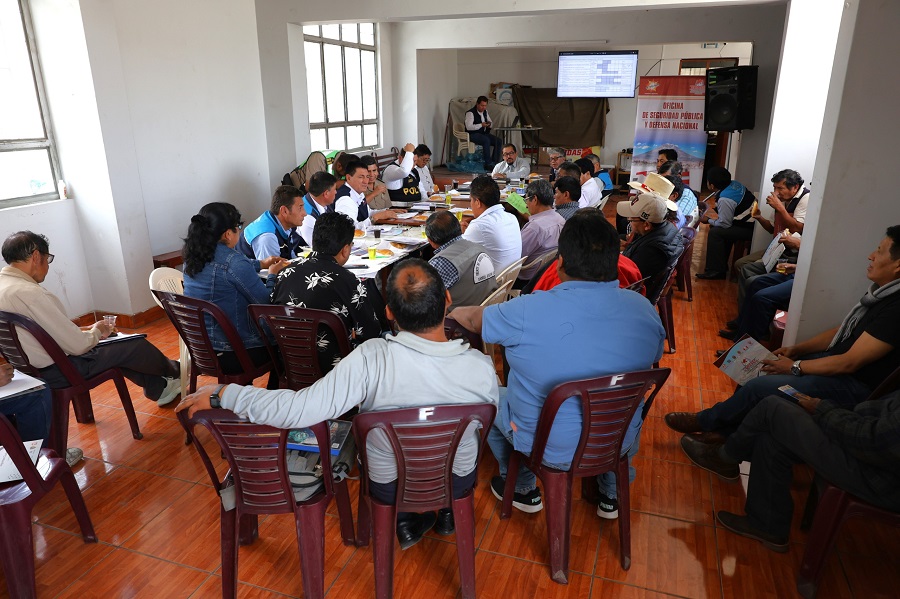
(436, 83)
(854, 171)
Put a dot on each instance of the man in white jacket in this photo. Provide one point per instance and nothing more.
(416, 367)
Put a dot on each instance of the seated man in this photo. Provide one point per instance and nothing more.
(566, 195)
(28, 255)
(402, 178)
(843, 364)
(766, 295)
(734, 204)
(350, 198)
(496, 230)
(318, 201)
(321, 282)
(465, 268)
(275, 232)
(656, 244)
(684, 197)
(665, 155)
(478, 126)
(548, 338)
(376, 191)
(511, 167)
(421, 158)
(590, 191)
(556, 156)
(856, 450)
(541, 233)
(416, 367)
(604, 181)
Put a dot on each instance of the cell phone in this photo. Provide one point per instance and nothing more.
(792, 394)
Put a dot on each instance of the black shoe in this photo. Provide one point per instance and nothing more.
(710, 275)
(683, 422)
(608, 507)
(731, 324)
(728, 334)
(445, 525)
(411, 531)
(524, 502)
(741, 525)
(706, 455)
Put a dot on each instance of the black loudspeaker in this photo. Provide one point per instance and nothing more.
(730, 99)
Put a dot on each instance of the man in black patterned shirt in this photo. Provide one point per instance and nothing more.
(321, 282)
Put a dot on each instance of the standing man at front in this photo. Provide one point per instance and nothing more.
(275, 232)
(478, 125)
(584, 327)
(494, 228)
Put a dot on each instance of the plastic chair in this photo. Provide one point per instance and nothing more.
(78, 391)
(295, 331)
(188, 315)
(18, 498)
(464, 144)
(511, 272)
(538, 265)
(611, 402)
(171, 279)
(424, 440)
(835, 507)
(664, 306)
(637, 286)
(683, 268)
(454, 330)
(258, 483)
(499, 295)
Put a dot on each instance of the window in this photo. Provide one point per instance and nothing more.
(342, 86)
(699, 66)
(28, 165)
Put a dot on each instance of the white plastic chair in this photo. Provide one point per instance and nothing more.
(537, 264)
(170, 279)
(511, 272)
(500, 295)
(464, 144)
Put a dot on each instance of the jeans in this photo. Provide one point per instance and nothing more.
(726, 416)
(630, 445)
(33, 412)
(766, 295)
(490, 146)
(719, 242)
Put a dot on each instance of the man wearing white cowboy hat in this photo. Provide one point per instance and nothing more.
(656, 243)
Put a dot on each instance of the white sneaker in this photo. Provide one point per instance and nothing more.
(170, 393)
(73, 456)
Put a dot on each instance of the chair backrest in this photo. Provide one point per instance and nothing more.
(610, 401)
(384, 160)
(684, 261)
(11, 347)
(256, 456)
(499, 295)
(454, 330)
(424, 441)
(637, 285)
(12, 443)
(658, 283)
(542, 260)
(165, 278)
(511, 272)
(702, 207)
(296, 331)
(459, 131)
(188, 315)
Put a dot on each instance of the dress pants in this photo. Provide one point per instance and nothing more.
(766, 295)
(774, 436)
(140, 361)
(490, 146)
(748, 267)
(33, 413)
(719, 241)
(387, 492)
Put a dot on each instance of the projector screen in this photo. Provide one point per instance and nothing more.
(600, 74)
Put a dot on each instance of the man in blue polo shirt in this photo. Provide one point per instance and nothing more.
(585, 327)
(275, 232)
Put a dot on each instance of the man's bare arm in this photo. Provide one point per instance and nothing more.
(469, 317)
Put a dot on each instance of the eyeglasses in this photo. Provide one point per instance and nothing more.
(240, 226)
(556, 158)
(527, 198)
(50, 258)
(509, 153)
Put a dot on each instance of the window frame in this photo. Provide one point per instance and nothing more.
(47, 142)
(346, 124)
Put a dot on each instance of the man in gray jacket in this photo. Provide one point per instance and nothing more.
(465, 268)
(416, 367)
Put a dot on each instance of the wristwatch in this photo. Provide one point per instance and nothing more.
(795, 368)
(215, 400)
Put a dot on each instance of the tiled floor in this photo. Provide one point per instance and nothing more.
(157, 518)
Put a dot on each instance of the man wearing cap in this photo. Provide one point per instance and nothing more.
(656, 243)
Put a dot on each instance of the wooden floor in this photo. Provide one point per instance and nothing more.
(157, 517)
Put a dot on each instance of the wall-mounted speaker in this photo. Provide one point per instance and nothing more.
(730, 98)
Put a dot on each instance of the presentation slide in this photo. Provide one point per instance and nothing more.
(601, 74)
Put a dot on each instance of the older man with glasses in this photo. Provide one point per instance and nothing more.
(557, 157)
(541, 233)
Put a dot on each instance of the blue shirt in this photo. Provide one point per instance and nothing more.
(230, 281)
(687, 203)
(577, 330)
(728, 199)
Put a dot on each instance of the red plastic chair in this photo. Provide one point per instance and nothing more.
(259, 482)
(611, 401)
(295, 331)
(17, 499)
(188, 316)
(683, 269)
(835, 507)
(425, 440)
(78, 391)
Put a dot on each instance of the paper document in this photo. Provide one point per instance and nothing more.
(743, 360)
(19, 385)
(8, 470)
(118, 337)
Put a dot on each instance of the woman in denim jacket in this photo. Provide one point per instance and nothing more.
(215, 272)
